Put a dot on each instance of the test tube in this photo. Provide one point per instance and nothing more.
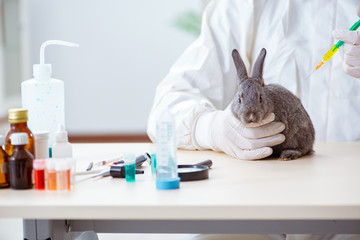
(72, 165)
(51, 174)
(153, 160)
(39, 173)
(130, 168)
(166, 165)
(62, 174)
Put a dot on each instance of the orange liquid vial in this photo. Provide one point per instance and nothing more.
(51, 180)
(50, 173)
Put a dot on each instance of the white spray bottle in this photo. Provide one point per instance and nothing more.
(43, 96)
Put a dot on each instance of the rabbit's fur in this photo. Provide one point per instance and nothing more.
(254, 100)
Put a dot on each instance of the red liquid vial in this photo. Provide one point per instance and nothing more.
(39, 174)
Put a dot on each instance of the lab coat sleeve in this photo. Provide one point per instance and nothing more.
(195, 83)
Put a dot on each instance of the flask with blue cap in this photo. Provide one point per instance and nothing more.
(166, 164)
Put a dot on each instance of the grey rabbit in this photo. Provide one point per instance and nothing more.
(254, 100)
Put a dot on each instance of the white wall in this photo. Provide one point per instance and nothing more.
(126, 48)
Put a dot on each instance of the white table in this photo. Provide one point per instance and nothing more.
(315, 194)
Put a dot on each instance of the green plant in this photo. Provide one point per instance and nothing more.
(189, 22)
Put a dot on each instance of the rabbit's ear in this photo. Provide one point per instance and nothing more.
(258, 67)
(240, 66)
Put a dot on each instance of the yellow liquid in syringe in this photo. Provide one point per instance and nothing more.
(327, 56)
(334, 49)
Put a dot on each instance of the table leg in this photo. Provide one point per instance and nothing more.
(35, 229)
(29, 229)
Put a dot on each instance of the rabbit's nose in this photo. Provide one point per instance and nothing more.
(251, 117)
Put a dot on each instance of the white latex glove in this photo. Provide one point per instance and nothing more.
(222, 131)
(352, 49)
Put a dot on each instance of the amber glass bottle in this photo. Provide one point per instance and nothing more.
(20, 163)
(4, 165)
(18, 123)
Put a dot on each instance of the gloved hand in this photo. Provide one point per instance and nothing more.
(352, 49)
(227, 134)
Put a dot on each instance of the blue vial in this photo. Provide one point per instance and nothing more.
(130, 168)
(153, 160)
(166, 164)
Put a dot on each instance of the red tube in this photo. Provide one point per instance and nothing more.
(39, 176)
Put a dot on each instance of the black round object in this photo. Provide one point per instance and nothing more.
(193, 172)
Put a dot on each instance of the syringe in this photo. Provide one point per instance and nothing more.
(336, 47)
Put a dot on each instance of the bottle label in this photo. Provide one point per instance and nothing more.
(4, 168)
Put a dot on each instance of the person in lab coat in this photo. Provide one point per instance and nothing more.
(202, 83)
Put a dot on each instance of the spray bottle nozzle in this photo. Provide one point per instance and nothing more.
(51, 42)
(42, 71)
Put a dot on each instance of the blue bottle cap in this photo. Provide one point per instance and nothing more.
(168, 183)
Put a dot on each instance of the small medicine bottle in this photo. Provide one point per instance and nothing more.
(20, 163)
(18, 123)
(61, 148)
(4, 165)
(39, 174)
(41, 145)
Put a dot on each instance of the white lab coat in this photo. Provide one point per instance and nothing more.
(296, 34)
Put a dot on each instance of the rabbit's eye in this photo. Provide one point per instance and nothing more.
(239, 99)
(260, 99)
